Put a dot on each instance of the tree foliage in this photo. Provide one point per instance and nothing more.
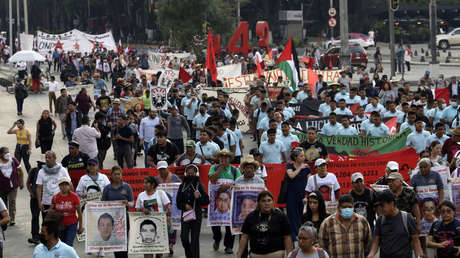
(181, 20)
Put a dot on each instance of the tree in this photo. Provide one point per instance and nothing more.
(181, 20)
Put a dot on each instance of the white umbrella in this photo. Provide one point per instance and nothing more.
(26, 56)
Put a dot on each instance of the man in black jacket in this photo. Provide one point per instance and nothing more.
(72, 120)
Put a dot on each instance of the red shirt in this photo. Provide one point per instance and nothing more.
(66, 205)
(450, 148)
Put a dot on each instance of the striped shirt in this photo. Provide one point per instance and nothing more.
(343, 242)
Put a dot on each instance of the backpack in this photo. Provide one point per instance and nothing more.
(404, 218)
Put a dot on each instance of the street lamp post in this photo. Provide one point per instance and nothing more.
(345, 51)
(433, 31)
(391, 24)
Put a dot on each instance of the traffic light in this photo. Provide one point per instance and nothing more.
(394, 5)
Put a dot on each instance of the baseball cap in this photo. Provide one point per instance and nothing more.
(93, 162)
(320, 162)
(190, 143)
(116, 101)
(395, 175)
(356, 176)
(64, 180)
(393, 165)
(74, 144)
(162, 164)
(125, 117)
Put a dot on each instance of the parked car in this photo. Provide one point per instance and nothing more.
(353, 38)
(444, 41)
(358, 57)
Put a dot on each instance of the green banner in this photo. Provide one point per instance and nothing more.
(361, 145)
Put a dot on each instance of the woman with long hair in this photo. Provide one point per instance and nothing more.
(316, 210)
(191, 196)
(297, 173)
(267, 230)
(84, 102)
(435, 154)
(46, 127)
(11, 177)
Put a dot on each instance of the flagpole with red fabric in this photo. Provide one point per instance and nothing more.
(211, 58)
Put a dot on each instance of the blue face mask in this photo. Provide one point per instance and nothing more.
(346, 213)
(189, 94)
(444, 105)
(344, 91)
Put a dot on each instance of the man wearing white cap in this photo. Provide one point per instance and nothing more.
(363, 198)
(323, 181)
(392, 166)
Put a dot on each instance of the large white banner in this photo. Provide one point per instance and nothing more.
(157, 60)
(74, 40)
(105, 226)
(228, 71)
(148, 233)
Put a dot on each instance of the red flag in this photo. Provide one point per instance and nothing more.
(391, 124)
(184, 76)
(354, 108)
(211, 58)
(442, 93)
(260, 71)
(312, 79)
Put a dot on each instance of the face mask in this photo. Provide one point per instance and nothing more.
(189, 94)
(7, 156)
(343, 91)
(444, 105)
(42, 239)
(453, 104)
(346, 213)
(190, 178)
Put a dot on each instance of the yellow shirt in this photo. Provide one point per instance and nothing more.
(21, 135)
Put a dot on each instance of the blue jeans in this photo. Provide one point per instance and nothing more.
(69, 233)
(147, 146)
(19, 103)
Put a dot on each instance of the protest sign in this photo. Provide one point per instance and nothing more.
(159, 98)
(354, 145)
(244, 200)
(150, 72)
(319, 122)
(167, 78)
(444, 172)
(105, 226)
(227, 71)
(148, 233)
(171, 191)
(379, 188)
(426, 195)
(94, 196)
(219, 204)
(235, 100)
(456, 196)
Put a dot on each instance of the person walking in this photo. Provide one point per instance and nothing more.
(147, 132)
(307, 238)
(118, 191)
(153, 200)
(51, 246)
(84, 102)
(345, 233)
(400, 57)
(191, 196)
(124, 138)
(62, 104)
(20, 93)
(407, 57)
(45, 132)
(72, 120)
(36, 72)
(47, 181)
(266, 229)
(444, 234)
(23, 142)
(316, 210)
(11, 177)
(4, 221)
(68, 204)
(87, 137)
(395, 231)
(103, 142)
(33, 203)
(176, 122)
(53, 87)
(297, 174)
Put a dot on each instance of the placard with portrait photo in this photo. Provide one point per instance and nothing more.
(148, 233)
(244, 201)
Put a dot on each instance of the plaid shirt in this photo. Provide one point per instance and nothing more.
(113, 118)
(342, 242)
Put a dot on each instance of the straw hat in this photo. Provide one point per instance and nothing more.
(249, 161)
(224, 152)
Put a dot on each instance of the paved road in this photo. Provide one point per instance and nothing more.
(16, 237)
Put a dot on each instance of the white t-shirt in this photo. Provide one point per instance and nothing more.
(148, 201)
(53, 86)
(326, 185)
(50, 183)
(86, 181)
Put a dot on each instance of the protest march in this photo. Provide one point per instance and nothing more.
(145, 151)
